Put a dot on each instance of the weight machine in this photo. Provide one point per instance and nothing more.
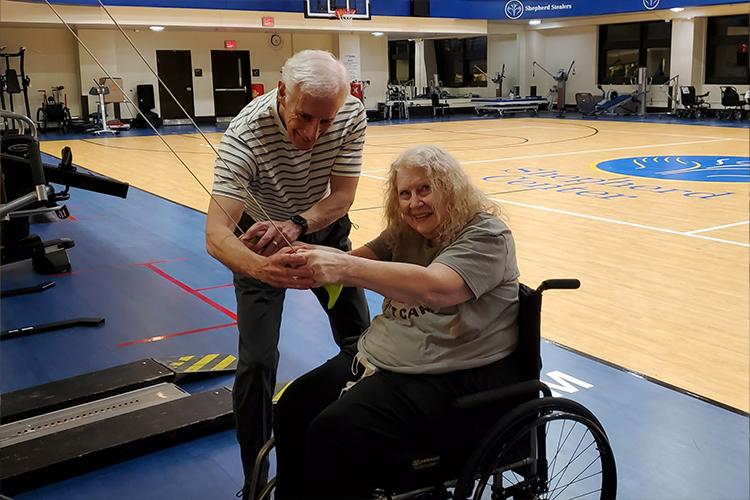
(497, 80)
(101, 89)
(642, 86)
(11, 82)
(561, 78)
(673, 103)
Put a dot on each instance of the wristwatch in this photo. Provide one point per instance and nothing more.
(301, 222)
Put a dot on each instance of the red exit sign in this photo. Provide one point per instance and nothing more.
(268, 22)
(230, 44)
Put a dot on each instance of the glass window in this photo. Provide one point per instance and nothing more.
(456, 60)
(622, 63)
(623, 48)
(400, 61)
(727, 51)
(657, 64)
(623, 32)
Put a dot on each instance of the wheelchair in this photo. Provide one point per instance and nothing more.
(694, 106)
(734, 107)
(545, 447)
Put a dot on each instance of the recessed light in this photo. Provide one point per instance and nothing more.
(535, 22)
(677, 9)
(156, 28)
(377, 33)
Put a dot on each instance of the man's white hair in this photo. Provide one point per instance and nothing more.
(315, 73)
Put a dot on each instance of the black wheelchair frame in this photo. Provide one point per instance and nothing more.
(546, 447)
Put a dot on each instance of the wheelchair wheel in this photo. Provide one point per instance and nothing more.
(41, 120)
(544, 449)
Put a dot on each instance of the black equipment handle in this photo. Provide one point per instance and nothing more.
(35, 160)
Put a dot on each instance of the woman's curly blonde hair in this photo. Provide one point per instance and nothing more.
(457, 200)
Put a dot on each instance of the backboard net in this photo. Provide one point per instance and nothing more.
(346, 16)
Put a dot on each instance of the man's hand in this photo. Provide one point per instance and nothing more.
(269, 236)
(285, 269)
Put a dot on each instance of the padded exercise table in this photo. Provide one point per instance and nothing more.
(503, 106)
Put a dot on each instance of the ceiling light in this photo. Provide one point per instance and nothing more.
(156, 28)
(535, 22)
(677, 9)
(377, 33)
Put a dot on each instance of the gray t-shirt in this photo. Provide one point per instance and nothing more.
(412, 338)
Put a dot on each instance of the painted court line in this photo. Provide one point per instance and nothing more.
(631, 224)
(718, 227)
(591, 151)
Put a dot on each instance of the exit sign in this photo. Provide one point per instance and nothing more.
(268, 22)
(230, 44)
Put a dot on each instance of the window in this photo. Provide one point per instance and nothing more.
(458, 59)
(400, 62)
(623, 48)
(727, 51)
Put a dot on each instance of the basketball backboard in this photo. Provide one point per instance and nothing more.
(326, 9)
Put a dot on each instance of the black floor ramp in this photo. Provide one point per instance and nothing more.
(58, 430)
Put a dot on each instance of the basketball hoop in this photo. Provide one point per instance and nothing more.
(346, 16)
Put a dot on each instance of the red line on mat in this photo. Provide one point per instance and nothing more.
(162, 337)
(193, 292)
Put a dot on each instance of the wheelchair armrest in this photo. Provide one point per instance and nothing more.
(704, 95)
(530, 388)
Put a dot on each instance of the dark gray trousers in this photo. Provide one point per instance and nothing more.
(259, 308)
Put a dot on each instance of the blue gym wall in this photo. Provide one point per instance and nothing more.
(461, 9)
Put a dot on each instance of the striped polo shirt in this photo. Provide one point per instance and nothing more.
(256, 153)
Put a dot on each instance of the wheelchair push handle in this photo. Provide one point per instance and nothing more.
(560, 284)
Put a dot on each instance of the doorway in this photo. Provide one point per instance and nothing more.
(231, 79)
(175, 69)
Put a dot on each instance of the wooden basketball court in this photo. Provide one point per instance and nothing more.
(663, 263)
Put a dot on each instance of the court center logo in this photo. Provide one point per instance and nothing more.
(514, 9)
(682, 168)
(651, 4)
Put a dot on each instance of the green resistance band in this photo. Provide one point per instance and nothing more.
(333, 289)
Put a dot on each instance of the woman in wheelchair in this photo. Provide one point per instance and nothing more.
(371, 416)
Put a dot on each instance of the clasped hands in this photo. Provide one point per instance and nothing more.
(301, 266)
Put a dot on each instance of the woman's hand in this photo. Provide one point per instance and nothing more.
(327, 267)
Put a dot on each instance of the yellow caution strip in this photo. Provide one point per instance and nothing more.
(224, 363)
(202, 362)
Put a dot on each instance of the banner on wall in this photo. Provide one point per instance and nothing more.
(459, 9)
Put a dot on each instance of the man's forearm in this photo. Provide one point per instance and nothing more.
(327, 211)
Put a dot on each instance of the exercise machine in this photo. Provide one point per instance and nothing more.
(100, 89)
(13, 82)
(559, 89)
(609, 104)
(641, 87)
(672, 84)
(27, 193)
(497, 79)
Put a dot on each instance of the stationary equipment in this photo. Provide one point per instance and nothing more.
(497, 79)
(101, 90)
(561, 78)
(27, 193)
(641, 86)
(71, 426)
(609, 104)
(11, 82)
(672, 84)
(503, 106)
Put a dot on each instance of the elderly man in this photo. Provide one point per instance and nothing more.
(293, 156)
